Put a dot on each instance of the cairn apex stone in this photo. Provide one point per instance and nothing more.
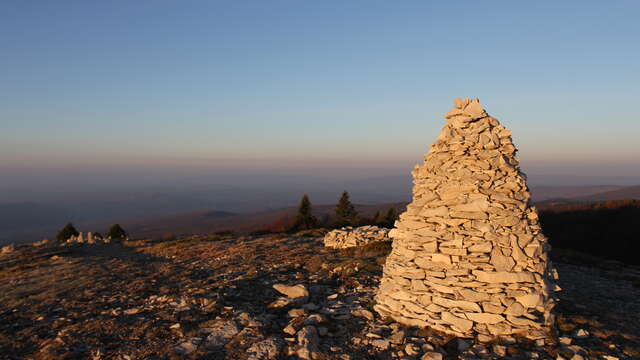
(468, 256)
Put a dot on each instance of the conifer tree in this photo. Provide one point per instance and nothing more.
(324, 221)
(304, 219)
(380, 219)
(66, 232)
(391, 217)
(375, 218)
(346, 214)
(117, 232)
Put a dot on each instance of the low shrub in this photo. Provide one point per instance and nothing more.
(606, 229)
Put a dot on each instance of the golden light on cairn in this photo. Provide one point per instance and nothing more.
(468, 257)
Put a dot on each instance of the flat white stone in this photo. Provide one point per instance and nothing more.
(485, 318)
(503, 277)
(458, 322)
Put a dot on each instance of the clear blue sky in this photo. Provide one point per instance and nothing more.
(314, 83)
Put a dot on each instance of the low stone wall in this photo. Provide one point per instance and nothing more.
(352, 237)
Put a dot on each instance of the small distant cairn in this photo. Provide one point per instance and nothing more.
(91, 238)
(7, 249)
(468, 255)
(351, 237)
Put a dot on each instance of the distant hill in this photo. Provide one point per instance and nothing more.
(155, 214)
(551, 192)
(208, 221)
(629, 192)
(563, 203)
(15, 217)
(218, 214)
(586, 226)
(202, 222)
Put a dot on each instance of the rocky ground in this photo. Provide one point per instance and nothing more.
(213, 297)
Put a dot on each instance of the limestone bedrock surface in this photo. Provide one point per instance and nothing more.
(469, 257)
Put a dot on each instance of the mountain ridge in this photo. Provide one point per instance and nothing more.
(33, 223)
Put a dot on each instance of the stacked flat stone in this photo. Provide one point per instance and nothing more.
(90, 239)
(79, 239)
(352, 237)
(468, 256)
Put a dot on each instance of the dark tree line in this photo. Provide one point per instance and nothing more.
(606, 229)
(345, 215)
(385, 219)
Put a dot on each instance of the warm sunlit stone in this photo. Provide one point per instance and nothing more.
(470, 242)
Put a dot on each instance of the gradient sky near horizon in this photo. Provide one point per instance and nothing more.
(307, 84)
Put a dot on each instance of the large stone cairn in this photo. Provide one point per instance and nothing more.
(351, 237)
(468, 257)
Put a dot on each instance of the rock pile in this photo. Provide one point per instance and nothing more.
(89, 239)
(8, 249)
(468, 257)
(351, 237)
